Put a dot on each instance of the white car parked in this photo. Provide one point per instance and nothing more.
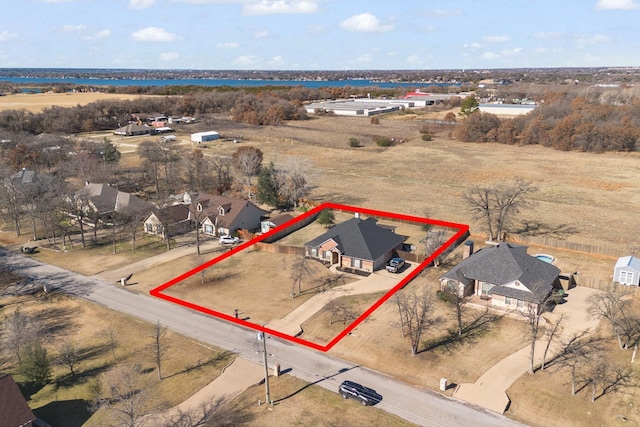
(229, 240)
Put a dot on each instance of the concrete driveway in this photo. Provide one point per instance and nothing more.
(489, 391)
(378, 281)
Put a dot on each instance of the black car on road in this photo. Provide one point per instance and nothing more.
(352, 390)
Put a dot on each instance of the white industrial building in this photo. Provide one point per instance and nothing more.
(507, 109)
(205, 136)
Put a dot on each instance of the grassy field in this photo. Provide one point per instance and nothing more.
(595, 195)
(36, 102)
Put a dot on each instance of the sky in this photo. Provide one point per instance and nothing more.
(319, 34)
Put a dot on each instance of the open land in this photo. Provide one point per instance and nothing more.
(36, 102)
(594, 194)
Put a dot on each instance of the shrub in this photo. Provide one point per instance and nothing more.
(354, 142)
(375, 120)
(383, 141)
(444, 296)
(426, 137)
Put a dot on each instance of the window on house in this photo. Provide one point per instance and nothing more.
(485, 288)
(149, 228)
(519, 303)
(356, 263)
(199, 207)
(208, 228)
(314, 252)
(507, 300)
(160, 229)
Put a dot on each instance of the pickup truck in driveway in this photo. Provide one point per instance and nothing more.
(395, 265)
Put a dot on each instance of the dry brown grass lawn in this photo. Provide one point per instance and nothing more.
(188, 366)
(300, 404)
(36, 102)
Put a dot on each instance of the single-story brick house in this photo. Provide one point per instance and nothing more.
(506, 275)
(627, 271)
(220, 215)
(359, 244)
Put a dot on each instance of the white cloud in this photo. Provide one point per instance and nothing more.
(6, 36)
(246, 60)
(496, 39)
(617, 5)
(445, 13)
(547, 36)
(228, 45)
(511, 52)
(73, 28)
(99, 35)
(430, 29)
(271, 7)
(365, 22)
(140, 4)
(541, 50)
(276, 60)
(261, 34)
(169, 56)
(474, 45)
(316, 29)
(153, 34)
(592, 39)
(414, 60)
(490, 55)
(364, 58)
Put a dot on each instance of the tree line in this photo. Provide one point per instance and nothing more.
(593, 122)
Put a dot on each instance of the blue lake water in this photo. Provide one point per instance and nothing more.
(215, 82)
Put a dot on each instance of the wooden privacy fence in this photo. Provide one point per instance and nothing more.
(280, 249)
(572, 246)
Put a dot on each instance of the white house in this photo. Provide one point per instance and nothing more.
(205, 136)
(627, 271)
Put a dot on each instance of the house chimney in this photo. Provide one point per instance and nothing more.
(467, 250)
(357, 214)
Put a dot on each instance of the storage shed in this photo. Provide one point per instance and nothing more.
(627, 271)
(205, 136)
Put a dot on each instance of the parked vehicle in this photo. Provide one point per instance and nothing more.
(355, 391)
(395, 265)
(229, 240)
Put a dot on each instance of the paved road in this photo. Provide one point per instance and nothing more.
(416, 405)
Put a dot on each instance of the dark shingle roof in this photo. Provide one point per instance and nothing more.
(14, 410)
(107, 199)
(358, 238)
(230, 206)
(505, 263)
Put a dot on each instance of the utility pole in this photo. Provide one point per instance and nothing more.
(263, 337)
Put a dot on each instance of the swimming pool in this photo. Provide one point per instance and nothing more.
(546, 258)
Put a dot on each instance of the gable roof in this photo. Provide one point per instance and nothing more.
(280, 219)
(14, 410)
(358, 238)
(24, 176)
(107, 199)
(132, 129)
(628, 261)
(231, 209)
(172, 213)
(506, 263)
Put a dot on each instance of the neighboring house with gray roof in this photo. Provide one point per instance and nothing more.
(504, 274)
(220, 215)
(270, 223)
(168, 221)
(359, 244)
(103, 201)
(627, 271)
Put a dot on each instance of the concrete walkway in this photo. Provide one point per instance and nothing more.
(235, 378)
(379, 281)
(489, 391)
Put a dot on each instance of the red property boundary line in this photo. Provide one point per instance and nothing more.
(462, 232)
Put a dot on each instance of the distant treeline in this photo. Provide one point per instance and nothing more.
(595, 121)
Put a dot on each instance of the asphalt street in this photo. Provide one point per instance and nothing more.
(420, 406)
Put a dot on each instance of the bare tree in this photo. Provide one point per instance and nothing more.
(496, 205)
(613, 307)
(534, 311)
(69, 355)
(339, 311)
(19, 331)
(159, 346)
(128, 395)
(416, 312)
(300, 269)
(576, 351)
(294, 179)
(552, 334)
(247, 162)
(112, 340)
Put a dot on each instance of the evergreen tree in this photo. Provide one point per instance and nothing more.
(110, 153)
(268, 188)
(35, 365)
